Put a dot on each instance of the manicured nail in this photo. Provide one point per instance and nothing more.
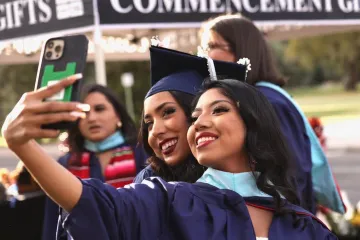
(78, 75)
(78, 114)
(83, 107)
(75, 76)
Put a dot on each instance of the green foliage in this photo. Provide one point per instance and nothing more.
(318, 75)
(338, 54)
(14, 81)
(297, 74)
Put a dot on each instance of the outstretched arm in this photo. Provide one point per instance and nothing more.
(23, 125)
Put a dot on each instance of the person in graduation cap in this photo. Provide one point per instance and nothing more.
(231, 37)
(175, 78)
(243, 195)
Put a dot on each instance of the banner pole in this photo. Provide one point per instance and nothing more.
(100, 67)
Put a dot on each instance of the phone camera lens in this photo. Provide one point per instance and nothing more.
(51, 45)
(48, 54)
(57, 49)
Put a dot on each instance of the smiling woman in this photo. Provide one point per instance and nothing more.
(176, 78)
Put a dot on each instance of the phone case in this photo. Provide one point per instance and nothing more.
(72, 61)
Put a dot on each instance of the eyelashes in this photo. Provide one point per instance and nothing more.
(217, 111)
(220, 109)
(166, 113)
(169, 111)
(99, 108)
(193, 119)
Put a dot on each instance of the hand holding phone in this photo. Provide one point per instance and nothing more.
(62, 57)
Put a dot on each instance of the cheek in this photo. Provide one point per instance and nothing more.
(177, 125)
(221, 55)
(82, 126)
(151, 141)
(191, 139)
(237, 132)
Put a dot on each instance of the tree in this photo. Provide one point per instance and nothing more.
(340, 52)
(296, 74)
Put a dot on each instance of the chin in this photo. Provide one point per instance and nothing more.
(96, 137)
(173, 160)
(204, 161)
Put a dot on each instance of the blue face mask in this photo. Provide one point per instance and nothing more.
(242, 183)
(108, 143)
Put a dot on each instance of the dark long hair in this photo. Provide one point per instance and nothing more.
(247, 41)
(188, 170)
(128, 129)
(264, 141)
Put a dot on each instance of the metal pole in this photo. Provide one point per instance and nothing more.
(127, 81)
(129, 102)
(100, 68)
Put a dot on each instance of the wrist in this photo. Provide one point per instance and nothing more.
(22, 148)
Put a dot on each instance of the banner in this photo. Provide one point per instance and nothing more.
(22, 18)
(187, 13)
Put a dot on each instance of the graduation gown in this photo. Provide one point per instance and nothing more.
(145, 173)
(51, 230)
(294, 131)
(156, 209)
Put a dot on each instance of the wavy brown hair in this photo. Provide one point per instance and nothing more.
(189, 170)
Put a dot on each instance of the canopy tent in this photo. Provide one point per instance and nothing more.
(120, 30)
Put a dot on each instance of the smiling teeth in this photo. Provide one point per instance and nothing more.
(205, 139)
(168, 144)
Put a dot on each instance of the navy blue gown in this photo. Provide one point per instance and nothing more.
(160, 210)
(293, 129)
(145, 173)
(52, 209)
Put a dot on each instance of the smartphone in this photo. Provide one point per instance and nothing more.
(62, 57)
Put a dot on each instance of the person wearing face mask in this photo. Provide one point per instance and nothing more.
(102, 146)
(166, 115)
(231, 37)
(244, 194)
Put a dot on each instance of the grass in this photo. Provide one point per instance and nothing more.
(329, 102)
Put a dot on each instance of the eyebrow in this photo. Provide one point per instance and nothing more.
(212, 104)
(99, 105)
(158, 108)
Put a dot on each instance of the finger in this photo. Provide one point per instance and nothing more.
(55, 106)
(50, 90)
(50, 118)
(40, 133)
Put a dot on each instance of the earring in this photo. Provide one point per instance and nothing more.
(119, 124)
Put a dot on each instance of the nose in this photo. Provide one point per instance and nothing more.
(202, 122)
(157, 129)
(90, 116)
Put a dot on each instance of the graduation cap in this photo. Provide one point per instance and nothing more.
(178, 71)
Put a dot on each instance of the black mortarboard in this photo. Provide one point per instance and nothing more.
(177, 71)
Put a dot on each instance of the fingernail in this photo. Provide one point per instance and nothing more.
(78, 76)
(83, 107)
(78, 114)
